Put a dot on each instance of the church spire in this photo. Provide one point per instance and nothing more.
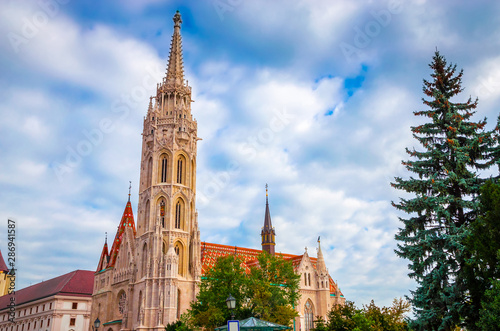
(320, 266)
(268, 234)
(175, 70)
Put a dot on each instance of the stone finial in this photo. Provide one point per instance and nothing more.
(177, 19)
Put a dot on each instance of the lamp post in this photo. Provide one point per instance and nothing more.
(231, 304)
(97, 324)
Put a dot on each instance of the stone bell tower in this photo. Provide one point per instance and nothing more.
(167, 219)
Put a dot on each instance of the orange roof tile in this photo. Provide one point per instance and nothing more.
(127, 221)
(210, 252)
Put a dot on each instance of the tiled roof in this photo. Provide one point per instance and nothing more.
(211, 252)
(3, 266)
(127, 221)
(75, 283)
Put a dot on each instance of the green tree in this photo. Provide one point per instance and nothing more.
(483, 247)
(489, 317)
(269, 292)
(225, 278)
(371, 317)
(443, 206)
(273, 289)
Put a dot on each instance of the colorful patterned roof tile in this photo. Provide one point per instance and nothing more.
(103, 261)
(127, 221)
(211, 252)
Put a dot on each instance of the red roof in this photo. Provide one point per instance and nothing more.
(127, 221)
(103, 261)
(211, 252)
(3, 266)
(75, 283)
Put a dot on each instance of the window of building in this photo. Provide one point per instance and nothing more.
(179, 169)
(178, 215)
(48, 322)
(163, 173)
(75, 305)
(43, 308)
(162, 213)
(309, 316)
(72, 321)
(122, 300)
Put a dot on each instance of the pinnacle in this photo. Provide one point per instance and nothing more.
(175, 70)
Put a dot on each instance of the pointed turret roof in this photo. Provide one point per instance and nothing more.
(175, 70)
(267, 218)
(3, 266)
(126, 222)
(320, 266)
(103, 261)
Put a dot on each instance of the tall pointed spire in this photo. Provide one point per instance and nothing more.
(175, 70)
(127, 221)
(268, 234)
(103, 261)
(320, 264)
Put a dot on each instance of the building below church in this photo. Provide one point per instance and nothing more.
(153, 270)
(61, 303)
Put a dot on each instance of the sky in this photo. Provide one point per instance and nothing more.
(316, 99)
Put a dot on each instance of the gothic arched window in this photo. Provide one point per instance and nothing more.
(144, 259)
(146, 217)
(179, 250)
(178, 215)
(308, 316)
(181, 170)
(163, 168)
(162, 213)
(122, 300)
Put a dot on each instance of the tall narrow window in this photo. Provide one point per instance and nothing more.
(144, 259)
(179, 171)
(309, 316)
(162, 213)
(163, 176)
(178, 215)
(149, 172)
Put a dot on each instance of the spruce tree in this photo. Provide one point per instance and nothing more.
(443, 203)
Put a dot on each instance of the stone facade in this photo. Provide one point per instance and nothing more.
(157, 268)
(152, 272)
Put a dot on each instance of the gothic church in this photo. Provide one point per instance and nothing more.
(152, 272)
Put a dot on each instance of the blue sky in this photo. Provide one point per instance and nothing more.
(313, 98)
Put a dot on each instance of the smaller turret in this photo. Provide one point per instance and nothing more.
(268, 233)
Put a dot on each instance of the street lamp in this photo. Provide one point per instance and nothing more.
(231, 304)
(97, 323)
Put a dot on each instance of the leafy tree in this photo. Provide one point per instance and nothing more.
(483, 247)
(341, 317)
(269, 292)
(371, 317)
(180, 325)
(443, 206)
(319, 324)
(273, 289)
(225, 278)
(490, 314)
